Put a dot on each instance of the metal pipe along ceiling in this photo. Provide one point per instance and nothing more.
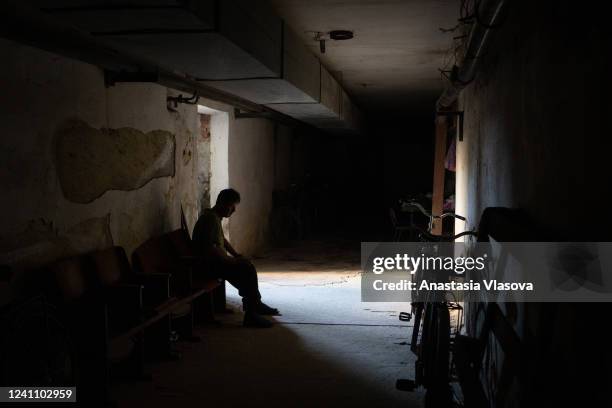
(487, 16)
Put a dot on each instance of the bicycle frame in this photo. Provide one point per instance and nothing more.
(432, 339)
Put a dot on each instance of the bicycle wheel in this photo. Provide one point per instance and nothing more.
(418, 317)
(426, 349)
(436, 345)
(439, 397)
(441, 373)
(437, 364)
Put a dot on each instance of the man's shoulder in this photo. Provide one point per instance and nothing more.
(208, 217)
(208, 229)
(208, 214)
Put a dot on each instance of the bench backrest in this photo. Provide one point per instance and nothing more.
(154, 256)
(163, 253)
(181, 242)
(69, 279)
(110, 265)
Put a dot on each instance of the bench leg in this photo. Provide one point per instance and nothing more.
(184, 325)
(137, 360)
(132, 368)
(157, 340)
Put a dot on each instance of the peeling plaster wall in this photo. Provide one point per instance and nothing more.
(41, 91)
(90, 162)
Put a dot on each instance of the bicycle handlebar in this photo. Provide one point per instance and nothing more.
(449, 238)
(417, 205)
(449, 214)
(429, 215)
(452, 237)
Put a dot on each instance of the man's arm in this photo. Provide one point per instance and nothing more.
(229, 248)
(218, 253)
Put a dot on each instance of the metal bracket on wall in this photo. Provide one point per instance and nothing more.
(459, 116)
(113, 77)
(173, 101)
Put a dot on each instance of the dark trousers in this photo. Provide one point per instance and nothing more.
(241, 275)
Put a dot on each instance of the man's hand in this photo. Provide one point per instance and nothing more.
(228, 254)
(218, 253)
(230, 249)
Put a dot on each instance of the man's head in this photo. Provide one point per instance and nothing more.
(227, 200)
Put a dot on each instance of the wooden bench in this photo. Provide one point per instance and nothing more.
(101, 303)
(113, 312)
(173, 253)
(134, 303)
(82, 312)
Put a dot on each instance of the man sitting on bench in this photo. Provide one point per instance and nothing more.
(222, 261)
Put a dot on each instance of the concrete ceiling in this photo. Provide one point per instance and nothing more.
(392, 62)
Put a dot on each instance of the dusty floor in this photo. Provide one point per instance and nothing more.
(327, 349)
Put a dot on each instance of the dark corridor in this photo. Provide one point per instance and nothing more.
(321, 147)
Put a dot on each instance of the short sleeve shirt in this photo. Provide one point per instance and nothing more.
(208, 231)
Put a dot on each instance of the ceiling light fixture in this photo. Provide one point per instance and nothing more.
(341, 35)
(336, 35)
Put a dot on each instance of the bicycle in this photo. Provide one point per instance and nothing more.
(405, 204)
(432, 338)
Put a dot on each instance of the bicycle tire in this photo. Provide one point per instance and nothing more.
(441, 373)
(418, 314)
(426, 346)
(436, 346)
(439, 397)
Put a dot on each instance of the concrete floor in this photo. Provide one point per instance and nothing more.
(327, 349)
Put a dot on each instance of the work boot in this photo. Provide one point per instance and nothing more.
(266, 310)
(259, 307)
(252, 319)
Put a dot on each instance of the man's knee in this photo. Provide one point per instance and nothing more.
(248, 268)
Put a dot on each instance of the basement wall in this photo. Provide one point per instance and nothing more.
(535, 122)
(85, 166)
(251, 172)
(116, 187)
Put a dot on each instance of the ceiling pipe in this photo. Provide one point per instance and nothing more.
(487, 17)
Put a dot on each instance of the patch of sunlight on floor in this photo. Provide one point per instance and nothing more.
(327, 349)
